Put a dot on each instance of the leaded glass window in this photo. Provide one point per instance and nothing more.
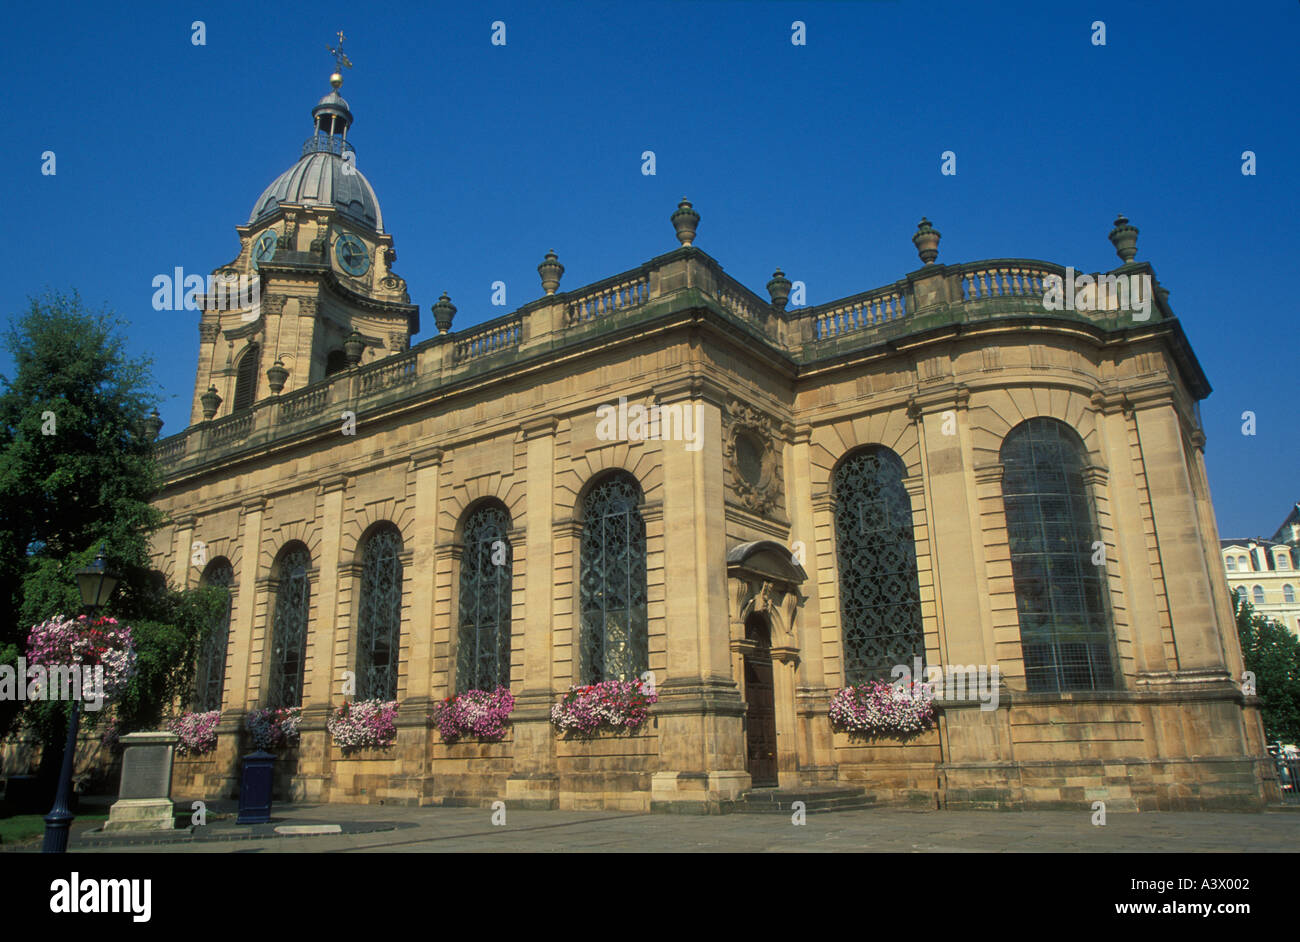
(289, 628)
(880, 594)
(1061, 595)
(615, 636)
(211, 675)
(483, 643)
(380, 622)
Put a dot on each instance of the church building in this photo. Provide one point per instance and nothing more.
(993, 465)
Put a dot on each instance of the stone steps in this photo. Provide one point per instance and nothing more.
(815, 798)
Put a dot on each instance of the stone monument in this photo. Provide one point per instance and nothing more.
(144, 798)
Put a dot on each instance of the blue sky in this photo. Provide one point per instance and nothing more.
(819, 159)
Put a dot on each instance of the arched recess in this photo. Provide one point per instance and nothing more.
(336, 361)
(291, 594)
(876, 564)
(210, 675)
(484, 597)
(246, 376)
(1062, 594)
(612, 590)
(379, 615)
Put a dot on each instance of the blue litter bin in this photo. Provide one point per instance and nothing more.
(255, 788)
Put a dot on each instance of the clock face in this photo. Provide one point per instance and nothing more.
(264, 248)
(352, 255)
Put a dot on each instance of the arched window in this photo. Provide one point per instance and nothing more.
(615, 636)
(880, 596)
(289, 627)
(1243, 563)
(483, 642)
(246, 378)
(210, 678)
(380, 621)
(1258, 593)
(1282, 560)
(1288, 594)
(336, 361)
(1061, 595)
(1232, 564)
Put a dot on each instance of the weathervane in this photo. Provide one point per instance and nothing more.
(341, 61)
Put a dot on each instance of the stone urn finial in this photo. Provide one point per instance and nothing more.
(153, 424)
(443, 312)
(779, 289)
(551, 271)
(276, 376)
(926, 239)
(685, 221)
(210, 402)
(1125, 239)
(353, 347)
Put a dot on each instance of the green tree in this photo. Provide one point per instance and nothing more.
(1272, 654)
(76, 471)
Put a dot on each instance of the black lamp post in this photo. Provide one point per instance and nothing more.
(97, 583)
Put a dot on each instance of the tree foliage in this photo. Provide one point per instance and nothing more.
(1272, 654)
(76, 471)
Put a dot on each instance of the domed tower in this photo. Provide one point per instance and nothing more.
(318, 264)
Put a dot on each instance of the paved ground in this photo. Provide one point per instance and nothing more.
(423, 830)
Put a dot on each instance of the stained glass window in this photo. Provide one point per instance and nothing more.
(211, 675)
(1061, 594)
(483, 646)
(289, 628)
(880, 595)
(615, 636)
(380, 620)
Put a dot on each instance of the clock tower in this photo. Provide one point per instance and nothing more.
(315, 251)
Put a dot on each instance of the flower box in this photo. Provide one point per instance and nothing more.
(197, 732)
(364, 723)
(878, 709)
(274, 729)
(616, 705)
(478, 713)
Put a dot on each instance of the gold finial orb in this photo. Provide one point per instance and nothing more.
(336, 80)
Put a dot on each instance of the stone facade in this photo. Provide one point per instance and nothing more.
(739, 526)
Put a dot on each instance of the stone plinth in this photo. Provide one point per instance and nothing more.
(144, 798)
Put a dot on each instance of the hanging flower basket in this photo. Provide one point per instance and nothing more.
(101, 645)
(613, 704)
(878, 709)
(274, 729)
(364, 723)
(197, 732)
(478, 713)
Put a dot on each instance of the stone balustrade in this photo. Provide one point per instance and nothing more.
(860, 311)
(1004, 278)
(629, 290)
(996, 287)
(305, 402)
(489, 338)
(393, 371)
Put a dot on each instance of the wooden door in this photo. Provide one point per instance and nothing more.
(760, 723)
